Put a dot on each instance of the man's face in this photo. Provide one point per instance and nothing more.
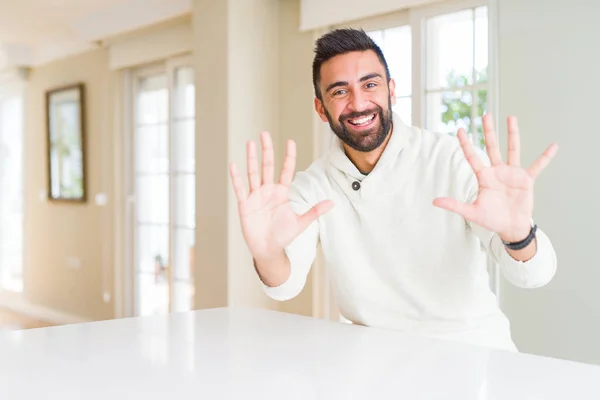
(357, 100)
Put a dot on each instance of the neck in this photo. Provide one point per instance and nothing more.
(365, 162)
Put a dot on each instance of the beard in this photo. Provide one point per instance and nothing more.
(363, 140)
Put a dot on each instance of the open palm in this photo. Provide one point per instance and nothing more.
(268, 221)
(504, 202)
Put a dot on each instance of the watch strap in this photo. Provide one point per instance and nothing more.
(522, 243)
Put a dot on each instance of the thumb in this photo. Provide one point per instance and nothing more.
(467, 211)
(315, 212)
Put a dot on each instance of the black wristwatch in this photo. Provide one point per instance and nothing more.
(523, 243)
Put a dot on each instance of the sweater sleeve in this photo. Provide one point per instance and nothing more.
(301, 251)
(533, 273)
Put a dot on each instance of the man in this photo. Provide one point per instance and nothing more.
(405, 217)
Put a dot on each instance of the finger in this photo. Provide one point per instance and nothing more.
(268, 158)
(315, 212)
(469, 151)
(236, 180)
(491, 140)
(253, 177)
(542, 162)
(514, 143)
(467, 211)
(289, 164)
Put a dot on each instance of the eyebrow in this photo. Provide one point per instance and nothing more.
(344, 83)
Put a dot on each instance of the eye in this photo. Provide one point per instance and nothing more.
(339, 92)
(370, 85)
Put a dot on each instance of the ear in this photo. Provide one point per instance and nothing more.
(320, 109)
(392, 86)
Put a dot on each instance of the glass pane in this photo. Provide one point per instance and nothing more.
(184, 93)
(403, 108)
(449, 111)
(450, 50)
(183, 296)
(481, 44)
(152, 295)
(184, 146)
(397, 50)
(377, 37)
(153, 100)
(152, 199)
(153, 250)
(183, 246)
(152, 149)
(185, 201)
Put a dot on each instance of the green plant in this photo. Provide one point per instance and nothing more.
(457, 104)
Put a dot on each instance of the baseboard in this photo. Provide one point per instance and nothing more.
(16, 303)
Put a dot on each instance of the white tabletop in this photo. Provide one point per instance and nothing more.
(257, 354)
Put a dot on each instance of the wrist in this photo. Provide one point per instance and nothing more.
(516, 234)
(523, 243)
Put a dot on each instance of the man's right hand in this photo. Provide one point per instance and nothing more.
(268, 221)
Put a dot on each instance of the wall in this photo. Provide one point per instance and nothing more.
(296, 113)
(257, 77)
(316, 14)
(55, 232)
(549, 79)
(236, 51)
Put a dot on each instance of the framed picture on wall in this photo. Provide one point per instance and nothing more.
(65, 110)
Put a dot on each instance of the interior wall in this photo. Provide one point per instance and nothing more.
(296, 114)
(68, 246)
(549, 80)
(236, 50)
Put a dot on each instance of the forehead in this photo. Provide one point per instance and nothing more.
(350, 67)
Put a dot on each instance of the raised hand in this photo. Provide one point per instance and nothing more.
(268, 221)
(504, 204)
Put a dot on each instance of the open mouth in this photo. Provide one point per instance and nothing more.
(362, 121)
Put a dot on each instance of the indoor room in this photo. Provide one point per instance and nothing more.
(130, 249)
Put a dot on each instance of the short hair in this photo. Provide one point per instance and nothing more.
(342, 41)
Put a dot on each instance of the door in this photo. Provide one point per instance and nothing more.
(163, 188)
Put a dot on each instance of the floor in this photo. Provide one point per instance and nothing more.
(13, 321)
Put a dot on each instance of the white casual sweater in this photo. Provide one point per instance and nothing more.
(398, 262)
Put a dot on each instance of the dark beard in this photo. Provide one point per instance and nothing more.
(368, 140)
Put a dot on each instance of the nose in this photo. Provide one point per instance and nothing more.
(358, 101)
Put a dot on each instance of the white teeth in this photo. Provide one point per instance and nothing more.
(362, 121)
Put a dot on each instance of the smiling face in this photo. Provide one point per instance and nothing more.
(356, 99)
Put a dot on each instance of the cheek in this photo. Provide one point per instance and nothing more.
(335, 109)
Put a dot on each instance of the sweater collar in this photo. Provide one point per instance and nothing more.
(400, 135)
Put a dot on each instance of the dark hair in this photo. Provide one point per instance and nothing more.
(342, 41)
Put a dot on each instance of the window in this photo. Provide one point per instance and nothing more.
(397, 47)
(163, 171)
(456, 77)
(441, 51)
(11, 196)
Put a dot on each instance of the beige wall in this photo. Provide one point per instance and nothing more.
(57, 232)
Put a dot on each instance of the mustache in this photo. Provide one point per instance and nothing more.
(365, 113)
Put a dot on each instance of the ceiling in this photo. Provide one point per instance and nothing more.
(33, 32)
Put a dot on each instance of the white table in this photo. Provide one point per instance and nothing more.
(257, 354)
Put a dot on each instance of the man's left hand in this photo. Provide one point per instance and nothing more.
(504, 203)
